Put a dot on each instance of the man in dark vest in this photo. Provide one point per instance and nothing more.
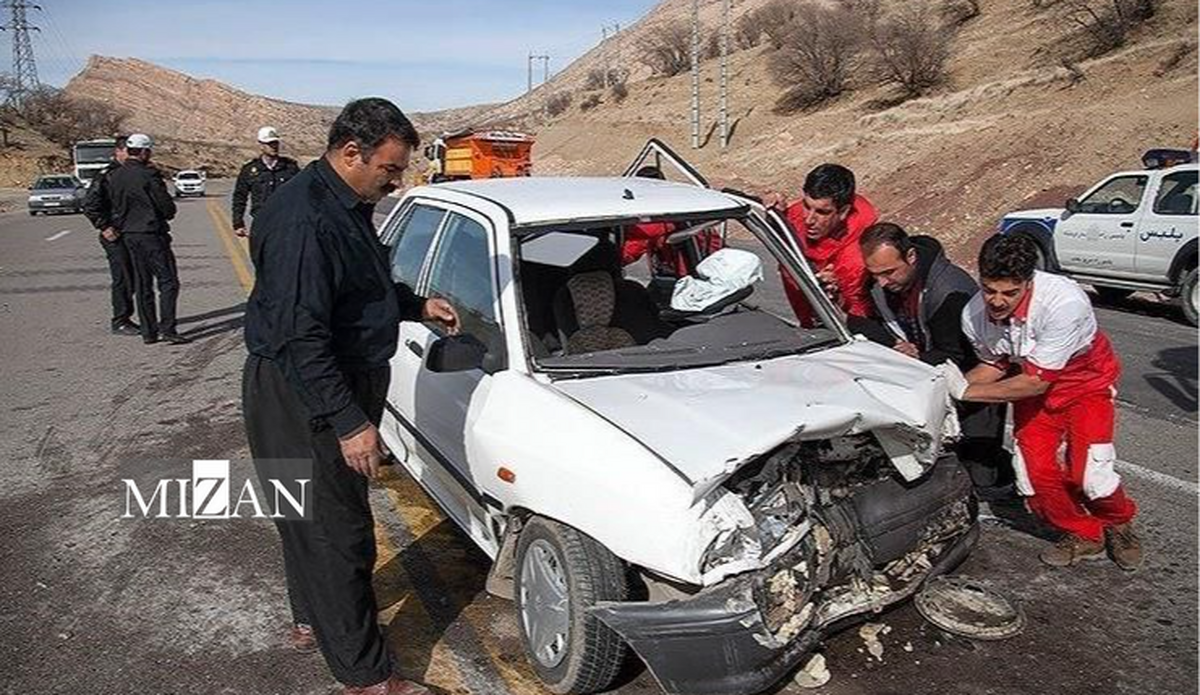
(98, 210)
(918, 297)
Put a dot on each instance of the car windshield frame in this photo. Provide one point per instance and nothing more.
(188, 176)
(661, 355)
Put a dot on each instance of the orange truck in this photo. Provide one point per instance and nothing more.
(487, 154)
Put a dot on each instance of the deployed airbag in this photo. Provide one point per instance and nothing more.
(719, 276)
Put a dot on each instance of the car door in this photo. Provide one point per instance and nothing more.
(1169, 223)
(409, 232)
(1099, 238)
(460, 270)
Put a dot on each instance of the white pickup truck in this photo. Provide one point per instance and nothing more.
(1132, 231)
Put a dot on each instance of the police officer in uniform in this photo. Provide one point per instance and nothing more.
(141, 212)
(98, 211)
(260, 177)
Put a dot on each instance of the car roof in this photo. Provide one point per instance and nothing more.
(538, 201)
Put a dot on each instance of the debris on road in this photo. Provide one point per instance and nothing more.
(814, 674)
(870, 633)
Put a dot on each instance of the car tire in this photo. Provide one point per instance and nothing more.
(576, 653)
(1112, 295)
(33, 213)
(1189, 297)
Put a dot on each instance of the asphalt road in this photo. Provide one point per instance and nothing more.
(91, 602)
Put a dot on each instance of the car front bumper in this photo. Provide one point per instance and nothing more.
(717, 641)
(189, 190)
(55, 205)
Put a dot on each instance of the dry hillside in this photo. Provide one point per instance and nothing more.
(1011, 127)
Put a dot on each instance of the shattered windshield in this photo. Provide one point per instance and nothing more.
(662, 295)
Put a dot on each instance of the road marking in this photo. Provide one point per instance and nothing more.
(237, 255)
(1164, 479)
(56, 237)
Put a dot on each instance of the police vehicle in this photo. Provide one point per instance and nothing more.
(1132, 231)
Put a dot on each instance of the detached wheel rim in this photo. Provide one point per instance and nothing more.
(544, 603)
(1195, 298)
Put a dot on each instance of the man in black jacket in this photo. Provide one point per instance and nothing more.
(260, 177)
(141, 209)
(321, 326)
(918, 297)
(98, 211)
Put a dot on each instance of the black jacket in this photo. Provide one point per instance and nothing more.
(945, 290)
(97, 204)
(324, 304)
(139, 202)
(258, 182)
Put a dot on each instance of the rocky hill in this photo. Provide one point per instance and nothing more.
(203, 122)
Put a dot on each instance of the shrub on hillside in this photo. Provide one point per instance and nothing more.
(667, 49)
(65, 120)
(1105, 24)
(749, 29)
(817, 56)
(955, 13)
(558, 103)
(619, 92)
(591, 102)
(776, 19)
(910, 49)
(595, 78)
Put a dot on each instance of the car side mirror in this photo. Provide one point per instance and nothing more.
(459, 353)
(1072, 205)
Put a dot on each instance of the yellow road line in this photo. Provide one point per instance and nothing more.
(236, 255)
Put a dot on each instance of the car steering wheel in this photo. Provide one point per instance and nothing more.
(1119, 205)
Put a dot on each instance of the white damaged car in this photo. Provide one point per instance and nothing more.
(687, 473)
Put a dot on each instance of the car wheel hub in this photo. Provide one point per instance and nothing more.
(544, 603)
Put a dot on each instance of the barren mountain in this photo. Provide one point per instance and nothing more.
(206, 122)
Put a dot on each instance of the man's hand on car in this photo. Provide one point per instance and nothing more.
(441, 311)
(363, 451)
(240, 231)
(954, 379)
(828, 279)
(774, 199)
(110, 234)
(906, 348)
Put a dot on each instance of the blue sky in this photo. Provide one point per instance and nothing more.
(422, 54)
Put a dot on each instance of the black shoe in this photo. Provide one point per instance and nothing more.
(149, 339)
(126, 328)
(176, 339)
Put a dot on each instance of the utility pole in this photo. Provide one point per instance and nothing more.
(608, 31)
(695, 74)
(545, 70)
(724, 74)
(25, 77)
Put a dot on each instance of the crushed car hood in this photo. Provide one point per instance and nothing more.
(707, 423)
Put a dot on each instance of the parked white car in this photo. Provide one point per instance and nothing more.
(1135, 230)
(713, 486)
(189, 182)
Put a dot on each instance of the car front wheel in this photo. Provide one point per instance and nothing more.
(561, 573)
(1189, 297)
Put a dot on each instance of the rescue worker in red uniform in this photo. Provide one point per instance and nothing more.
(1041, 350)
(828, 221)
(649, 239)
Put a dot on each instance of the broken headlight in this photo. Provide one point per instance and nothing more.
(734, 546)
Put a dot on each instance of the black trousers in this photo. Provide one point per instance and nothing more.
(154, 264)
(981, 448)
(121, 270)
(328, 561)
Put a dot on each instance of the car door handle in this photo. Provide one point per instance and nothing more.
(1126, 224)
(415, 348)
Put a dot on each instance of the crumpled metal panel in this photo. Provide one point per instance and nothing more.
(709, 422)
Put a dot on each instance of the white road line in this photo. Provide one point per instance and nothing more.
(56, 237)
(1163, 479)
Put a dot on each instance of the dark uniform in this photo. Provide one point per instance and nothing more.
(98, 209)
(141, 210)
(258, 181)
(321, 326)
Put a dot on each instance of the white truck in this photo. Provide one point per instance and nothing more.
(1132, 231)
(90, 157)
